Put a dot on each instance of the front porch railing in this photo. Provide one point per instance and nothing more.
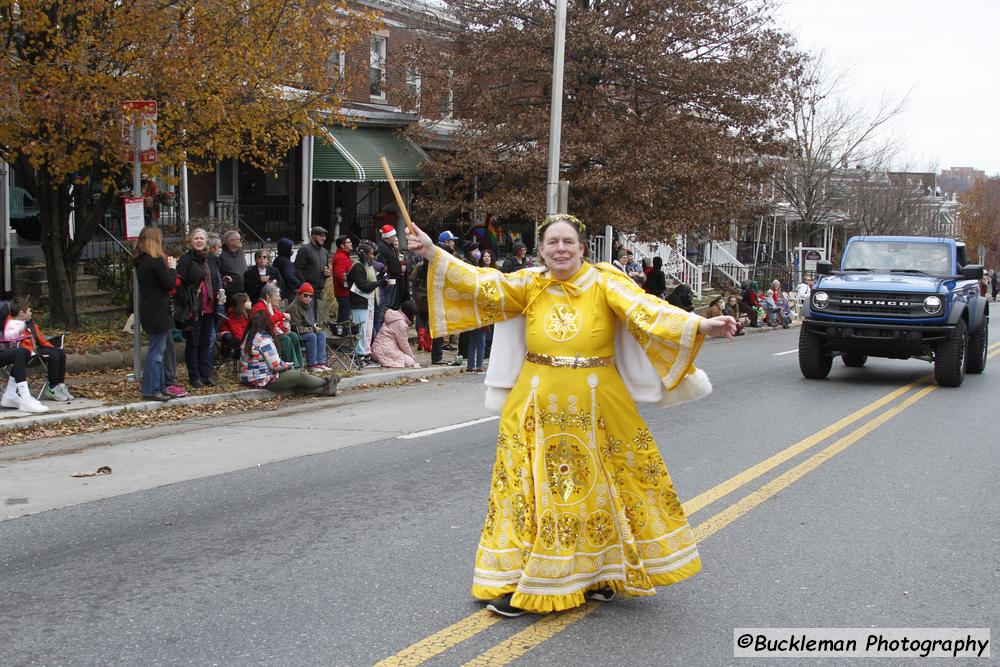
(721, 260)
(675, 264)
(263, 223)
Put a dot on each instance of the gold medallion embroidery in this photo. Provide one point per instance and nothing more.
(570, 469)
(600, 528)
(569, 530)
(562, 323)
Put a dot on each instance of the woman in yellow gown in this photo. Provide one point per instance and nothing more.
(581, 504)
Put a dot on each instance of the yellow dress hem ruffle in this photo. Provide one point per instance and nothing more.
(544, 604)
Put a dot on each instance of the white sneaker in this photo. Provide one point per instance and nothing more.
(9, 399)
(28, 403)
(62, 391)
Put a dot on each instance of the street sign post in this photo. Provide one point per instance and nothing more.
(140, 129)
(140, 119)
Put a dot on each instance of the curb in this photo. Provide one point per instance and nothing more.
(116, 359)
(353, 382)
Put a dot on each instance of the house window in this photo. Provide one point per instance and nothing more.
(376, 70)
(276, 184)
(336, 64)
(413, 88)
(225, 179)
(448, 97)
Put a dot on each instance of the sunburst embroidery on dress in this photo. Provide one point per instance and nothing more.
(562, 323)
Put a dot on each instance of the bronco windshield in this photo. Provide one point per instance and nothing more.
(901, 256)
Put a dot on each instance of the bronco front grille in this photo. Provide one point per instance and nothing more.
(876, 304)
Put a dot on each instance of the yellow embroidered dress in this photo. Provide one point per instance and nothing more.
(580, 497)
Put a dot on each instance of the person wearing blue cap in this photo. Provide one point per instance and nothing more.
(447, 241)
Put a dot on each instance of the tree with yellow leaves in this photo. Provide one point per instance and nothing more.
(979, 213)
(231, 78)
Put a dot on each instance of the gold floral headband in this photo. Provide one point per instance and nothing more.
(561, 217)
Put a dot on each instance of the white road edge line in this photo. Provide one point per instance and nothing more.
(780, 354)
(442, 429)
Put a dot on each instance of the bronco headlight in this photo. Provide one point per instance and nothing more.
(821, 300)
(932, 305)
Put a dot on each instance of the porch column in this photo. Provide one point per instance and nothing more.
(306, 189)
(5, 223)
(185, 199)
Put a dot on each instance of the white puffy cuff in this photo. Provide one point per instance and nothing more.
(496, 397)
(694, 386)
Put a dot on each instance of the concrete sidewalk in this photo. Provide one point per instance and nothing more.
(83, 408)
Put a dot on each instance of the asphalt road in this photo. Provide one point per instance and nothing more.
(318, 536)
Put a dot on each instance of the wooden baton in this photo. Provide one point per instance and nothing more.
(399, 197)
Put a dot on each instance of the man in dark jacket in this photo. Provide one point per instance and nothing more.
(656, 280)
(388, 254)
(232, 262)
(290, 277)
(517, 261)
(313, 263)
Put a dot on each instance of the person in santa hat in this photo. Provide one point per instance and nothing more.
(387, 253)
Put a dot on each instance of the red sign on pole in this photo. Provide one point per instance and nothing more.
(140, 114)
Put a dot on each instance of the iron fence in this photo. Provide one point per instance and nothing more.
(261, 224)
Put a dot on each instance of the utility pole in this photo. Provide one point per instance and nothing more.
(136, 192)
(555, 121)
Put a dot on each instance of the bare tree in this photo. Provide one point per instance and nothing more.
(836, 149)
(894, 202)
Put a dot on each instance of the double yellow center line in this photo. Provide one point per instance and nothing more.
(548, 626)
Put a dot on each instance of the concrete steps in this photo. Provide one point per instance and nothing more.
(92, 302)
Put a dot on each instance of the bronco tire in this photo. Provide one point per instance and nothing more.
(854, 360)
(949, 358)
(814, 361)
(975, 360)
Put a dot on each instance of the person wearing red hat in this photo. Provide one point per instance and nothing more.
(388, 253)
(304, 324)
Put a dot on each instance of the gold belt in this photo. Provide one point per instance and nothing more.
(570, 362)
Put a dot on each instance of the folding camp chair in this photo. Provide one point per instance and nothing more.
(35, 360)
(342, 343)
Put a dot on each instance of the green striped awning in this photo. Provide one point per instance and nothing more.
(354, 155)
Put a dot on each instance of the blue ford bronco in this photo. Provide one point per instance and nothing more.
(897, 297)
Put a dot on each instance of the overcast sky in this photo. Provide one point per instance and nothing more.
(946, 54)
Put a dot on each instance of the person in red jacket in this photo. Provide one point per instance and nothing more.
(231, 329)
(340, 265)
(288, 340)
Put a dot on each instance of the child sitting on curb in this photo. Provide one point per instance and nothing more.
(232, 329)
(19, 325)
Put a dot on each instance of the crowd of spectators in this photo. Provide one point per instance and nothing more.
(264, 317)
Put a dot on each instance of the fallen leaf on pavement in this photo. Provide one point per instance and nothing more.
(103, 470)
